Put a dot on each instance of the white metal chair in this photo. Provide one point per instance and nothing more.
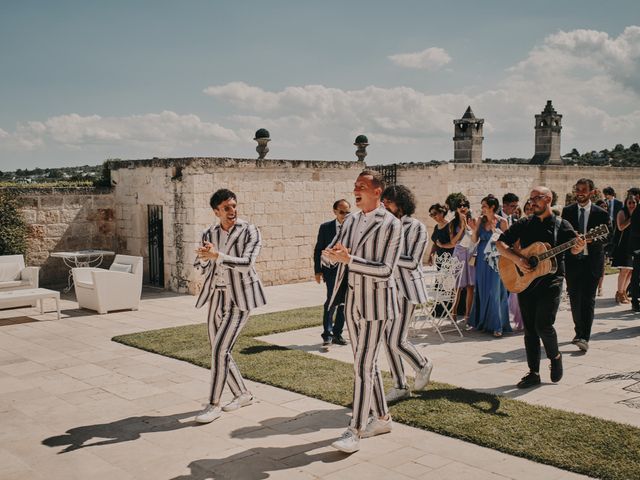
(103, 290)
(441, 291)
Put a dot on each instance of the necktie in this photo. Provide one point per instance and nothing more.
(581, 221)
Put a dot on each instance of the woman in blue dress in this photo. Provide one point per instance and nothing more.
(490, 310)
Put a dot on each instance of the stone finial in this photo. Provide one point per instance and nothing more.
(361, 142)
(262, 137)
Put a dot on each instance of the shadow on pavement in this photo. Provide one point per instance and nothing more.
(124, 430)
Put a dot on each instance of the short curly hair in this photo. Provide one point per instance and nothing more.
(402, 197)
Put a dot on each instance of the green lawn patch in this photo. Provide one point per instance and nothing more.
(575, 442)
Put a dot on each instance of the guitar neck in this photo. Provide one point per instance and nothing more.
(557, 250)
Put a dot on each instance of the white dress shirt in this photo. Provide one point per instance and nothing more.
(587, 211)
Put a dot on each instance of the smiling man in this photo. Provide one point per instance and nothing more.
(584, 270)
(366, 250)
(227, 257)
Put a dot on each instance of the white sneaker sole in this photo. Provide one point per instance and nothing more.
(233, 408)
(204, 420)
(343, 449)
(376, 433)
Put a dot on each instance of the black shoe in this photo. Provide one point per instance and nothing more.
(635, 307)
(339, 341)
(531, 379)
(556, 369)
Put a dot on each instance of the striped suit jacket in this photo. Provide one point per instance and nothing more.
(409, 274)
(374, 259)
(243, 246)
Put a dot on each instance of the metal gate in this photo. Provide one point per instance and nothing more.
(389, 173)
(156, 257)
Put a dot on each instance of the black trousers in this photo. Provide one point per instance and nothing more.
(539, 305)
(634, 286)
(330, 328)
(582, 286)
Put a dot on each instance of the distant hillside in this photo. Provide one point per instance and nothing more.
(67, 176)
(619, 156)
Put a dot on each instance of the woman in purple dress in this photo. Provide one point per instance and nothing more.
(461, 232)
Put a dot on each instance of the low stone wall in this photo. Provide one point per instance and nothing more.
(287, 199)
(63, 220)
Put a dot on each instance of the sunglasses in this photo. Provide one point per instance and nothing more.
(463, 205)
(433, 214)
(343, 212)
(536, 198)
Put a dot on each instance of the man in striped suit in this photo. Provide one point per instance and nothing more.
(232, 289)
(366, 250)
(409, 275)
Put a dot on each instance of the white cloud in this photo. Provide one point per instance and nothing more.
(592, 78)
(162, 131)
(430, 59)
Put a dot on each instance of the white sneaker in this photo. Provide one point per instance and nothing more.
(397, 394)
(348, 442)
(377, 426)
(240, 401)
(423, 376)
(209, 414)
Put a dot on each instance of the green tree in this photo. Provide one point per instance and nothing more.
(618, 148)
(13, 229)
(634, 147)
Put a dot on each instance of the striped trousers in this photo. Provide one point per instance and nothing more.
(225, 321)
(399, 347)
(368, 391)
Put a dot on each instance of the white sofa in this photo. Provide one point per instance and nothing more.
(104, 290)
(15, 276)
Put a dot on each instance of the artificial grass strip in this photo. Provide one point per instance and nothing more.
(575, 442)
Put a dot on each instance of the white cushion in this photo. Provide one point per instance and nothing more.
(121, 267)
(12, 283)
(9, 271)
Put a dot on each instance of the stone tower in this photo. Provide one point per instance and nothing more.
(467, 143)
(548, 126)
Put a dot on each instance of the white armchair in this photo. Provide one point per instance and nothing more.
(15, 276)
(103, 290)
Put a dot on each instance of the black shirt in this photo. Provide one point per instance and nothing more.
(441, 235)
(531, 229)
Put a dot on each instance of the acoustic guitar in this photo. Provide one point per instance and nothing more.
(541, 258)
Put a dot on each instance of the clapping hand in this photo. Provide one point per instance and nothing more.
(207, 252)
(339, 253)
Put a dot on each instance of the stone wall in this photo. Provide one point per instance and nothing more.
(63, 220)
(286, 199)
(432, 184)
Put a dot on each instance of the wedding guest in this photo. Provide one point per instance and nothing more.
(461, 233)
(622, 256)
(490, 310)
(607, 248)
(528, 208)
(440, 235)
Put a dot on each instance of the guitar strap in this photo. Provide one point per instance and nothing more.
(556, 227)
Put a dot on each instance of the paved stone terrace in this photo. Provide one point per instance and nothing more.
(74, 404)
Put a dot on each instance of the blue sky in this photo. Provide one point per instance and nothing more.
(86, 81)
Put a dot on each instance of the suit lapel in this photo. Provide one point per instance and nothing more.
(234, 234)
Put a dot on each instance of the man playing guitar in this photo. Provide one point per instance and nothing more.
(539, 302)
